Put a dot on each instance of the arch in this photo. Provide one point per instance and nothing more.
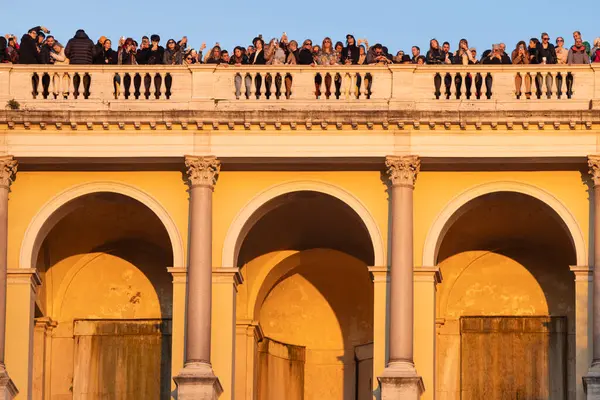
(60, 205)
(261, 204)
(458, 206)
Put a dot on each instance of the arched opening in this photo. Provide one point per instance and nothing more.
(506, 318)
(103, 263)
(306, 283)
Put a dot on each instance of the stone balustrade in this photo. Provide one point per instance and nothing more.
(557, 87)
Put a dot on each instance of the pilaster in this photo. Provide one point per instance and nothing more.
(381, 285)
(248, 334)
(42, 349)
(179, 275)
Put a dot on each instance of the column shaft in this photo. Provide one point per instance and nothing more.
(596, 308)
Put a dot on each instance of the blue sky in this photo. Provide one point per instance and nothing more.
(396, 24)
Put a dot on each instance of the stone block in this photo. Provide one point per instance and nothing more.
(197, 381)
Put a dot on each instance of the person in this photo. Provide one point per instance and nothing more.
(292, 56)
(144, 50)
(214, 57)
(376, 55)
(327, 55)
(58, 54)
(46, 50)
(107, 56)
(258, 57)
(416, 52)
(446, 50)
(173, 54)
(362, 55)
(595, 53)
(561, 52)
(127, 54)
(546, 53)
(224, 57)
(156, 53)
(495, 56)
(99, 46)
(80, 49)
(238, 58)
(578, 53)
(435, 55)
(520, 55)
(305, 54)
(12, 49)
(533, 50)
(504, 55)
(462, 55)
(406, 59)
(421, 60)
(350, 53)
(315, 52)
(473, 58)
(3, 50)
(29, 52)
(189, 58)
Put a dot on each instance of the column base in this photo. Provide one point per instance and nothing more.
(591, 383)
(8, 390)
(400, 380)
(197, 381)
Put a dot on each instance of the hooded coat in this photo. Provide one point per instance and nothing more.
(28, 52)
(80, 49)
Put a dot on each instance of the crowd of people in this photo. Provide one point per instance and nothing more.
(38, 46)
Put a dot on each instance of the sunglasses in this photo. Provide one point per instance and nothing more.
(546, 38)
(559, 40)
(189, 58)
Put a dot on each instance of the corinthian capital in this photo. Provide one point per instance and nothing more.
(594, 164)
(8, 169)
(202, 171)
(403, 170)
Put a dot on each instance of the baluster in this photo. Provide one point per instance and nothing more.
(55, 85)
(489, 81)
(347, 85)
(359, 86)
(168, 85)
(318, 82)
(87, 82)
(468, 85)
(559, 85)
(288, 85)
(368, 85)
(538, 85)
(458, 80)
(147, 83)
(448, 85)
(66, 85)
(117, 85)
(328, 80)
(248, 83)
(157, 85)
(518, 85)
(137, 84)
(268, 84)
(570, 82)
(35, 81)
(437, 84)
(237, 85)
(76, 83)
(478, 85)
(278, 82)
(549, 81)
(127, 85)
(337, 83)
(528, 84)
(45, 85)
(258, 85)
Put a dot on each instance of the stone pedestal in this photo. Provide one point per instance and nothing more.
(197, 381)
(400, 381)
(8, 390)
(591, 385)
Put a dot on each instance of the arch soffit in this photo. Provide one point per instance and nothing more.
(60, 205)
(456, 208)
(261, 204)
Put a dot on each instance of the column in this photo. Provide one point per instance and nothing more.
(225, 283)
(197, 380)
(426, 281)
(583, 317)
(8, 169)
(591, 382)
(400, 379)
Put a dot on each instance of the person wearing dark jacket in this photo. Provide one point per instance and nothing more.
(106, 56)
(305, 54)
(3, 53)
(144, 50)
(494, 57)
(28, 52)
(435, 55)
(80, 49)
(546, 53)
(258, 57)
(47, 48)
(156, 53)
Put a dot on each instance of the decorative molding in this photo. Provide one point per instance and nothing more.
(202, 171)
(594, 171)
(8, 170)
(403, 170)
